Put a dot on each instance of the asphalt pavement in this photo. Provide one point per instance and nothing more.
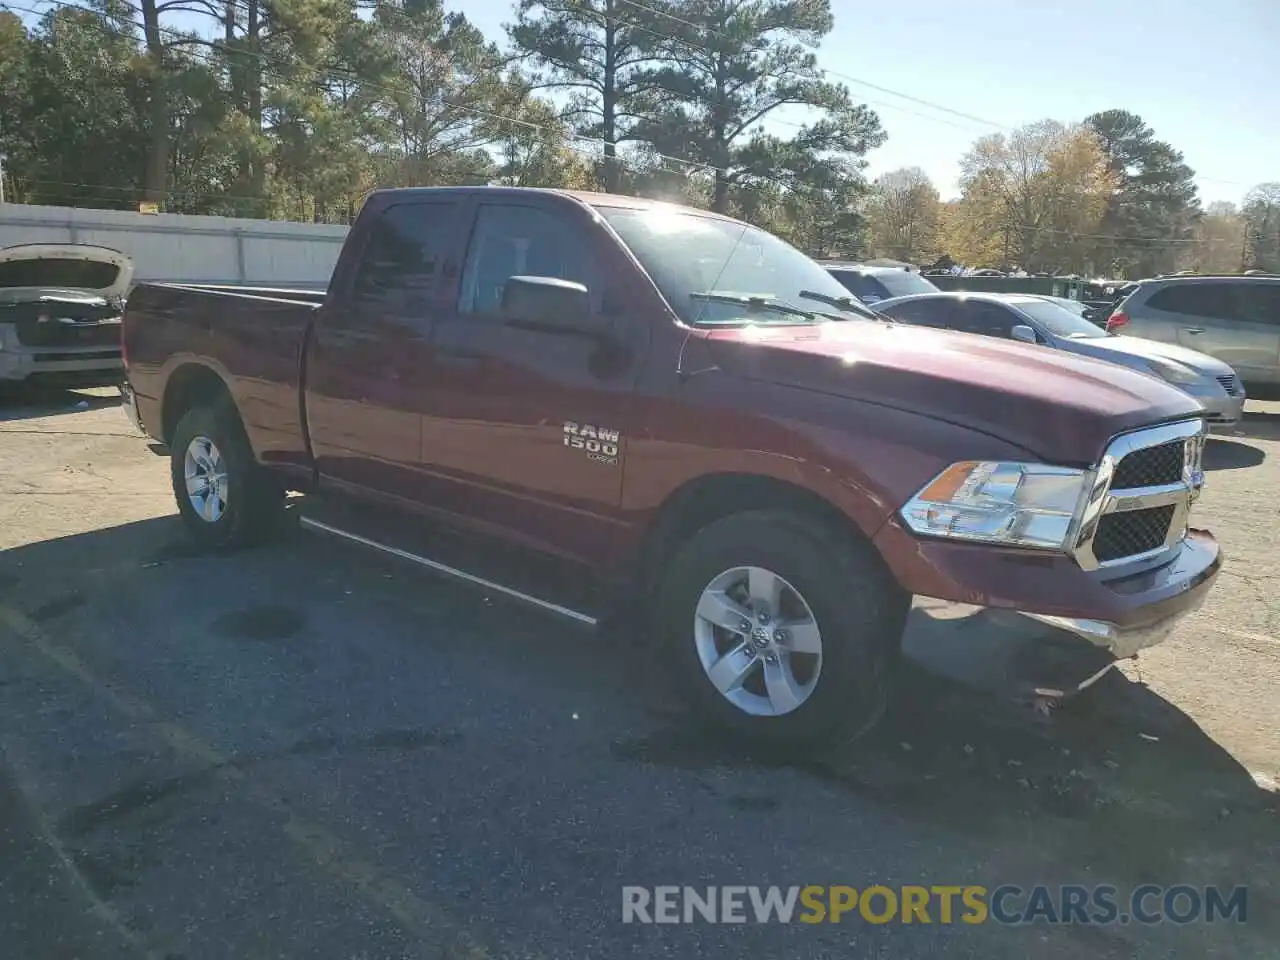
(307, 751)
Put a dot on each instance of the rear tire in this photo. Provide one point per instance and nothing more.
(225, 498)
(804, 666)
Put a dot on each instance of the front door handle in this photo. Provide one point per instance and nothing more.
(1193, 330)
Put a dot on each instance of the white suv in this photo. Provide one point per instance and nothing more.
(1236, 319)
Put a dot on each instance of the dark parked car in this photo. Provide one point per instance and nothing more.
(873, 284)
(678, 421)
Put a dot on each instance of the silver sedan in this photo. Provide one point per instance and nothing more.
(1039, 319)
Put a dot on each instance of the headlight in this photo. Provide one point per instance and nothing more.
(1174, 372)
(1018, 504)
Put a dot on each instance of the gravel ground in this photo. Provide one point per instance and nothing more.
(304, 751)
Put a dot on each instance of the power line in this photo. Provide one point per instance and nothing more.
(825, 70)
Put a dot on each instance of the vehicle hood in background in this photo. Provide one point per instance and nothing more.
(66, 267)
(1140, 349)
(1062, 407)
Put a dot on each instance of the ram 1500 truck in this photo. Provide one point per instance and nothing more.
(685, 422)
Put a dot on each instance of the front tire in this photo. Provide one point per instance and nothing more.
(224, 497)
(782, 632)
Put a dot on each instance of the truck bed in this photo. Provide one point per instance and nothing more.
(251, 337)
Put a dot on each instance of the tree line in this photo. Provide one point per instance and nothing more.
(295, 109)
(1100, 197)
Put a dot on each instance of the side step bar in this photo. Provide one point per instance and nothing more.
(450, 571)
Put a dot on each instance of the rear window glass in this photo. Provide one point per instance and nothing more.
(902, 283)
(1194, 299)
(1254, 302)
(73, 274)
(861, 286)
(928, 312)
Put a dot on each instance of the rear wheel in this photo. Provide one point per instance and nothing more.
(224, 497)
(782, 632)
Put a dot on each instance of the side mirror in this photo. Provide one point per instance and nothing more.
(1024, 333)
(548, 303)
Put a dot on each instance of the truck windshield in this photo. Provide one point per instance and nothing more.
(720, 272)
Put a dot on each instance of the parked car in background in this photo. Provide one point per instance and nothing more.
(495, 361)
(1235, 319)
(1094, 311)
(60, 309)
(1042, 320)
(873, 284)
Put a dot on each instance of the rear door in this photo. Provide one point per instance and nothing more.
(1231, 320)
(525, 430)
(368, 359)
(985, 318)
(924, 312)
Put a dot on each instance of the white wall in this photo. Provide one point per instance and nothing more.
(188, 249)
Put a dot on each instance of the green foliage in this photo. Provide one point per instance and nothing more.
(73, 109)
(1154, 196)
(297, 108)
(722, 68)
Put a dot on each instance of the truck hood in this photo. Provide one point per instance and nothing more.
(1133, 350)
(66, 267)
(1061, 407)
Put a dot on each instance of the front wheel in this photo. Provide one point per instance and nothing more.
(782, 632)
(224, 497)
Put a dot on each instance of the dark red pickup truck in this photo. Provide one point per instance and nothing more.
(687, 422)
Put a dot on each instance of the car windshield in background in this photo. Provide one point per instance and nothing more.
(1058, 320)
(718, 272)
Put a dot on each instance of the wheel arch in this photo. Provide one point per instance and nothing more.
(189, 386)
(705, 499)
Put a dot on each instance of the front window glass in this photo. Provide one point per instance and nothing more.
(717, 272)
(1058, 320)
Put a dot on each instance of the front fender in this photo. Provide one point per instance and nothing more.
(864, 459)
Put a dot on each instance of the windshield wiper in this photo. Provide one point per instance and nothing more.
(851, 304)
(758, 302)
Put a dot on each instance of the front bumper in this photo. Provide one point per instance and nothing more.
(1223, 412)
(1118, 610)
(1222, 409)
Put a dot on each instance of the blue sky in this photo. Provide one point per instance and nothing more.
(1204, 75)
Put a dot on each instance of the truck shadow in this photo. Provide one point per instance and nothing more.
(1260, 424)
(1223, 454)
(25, 402)
(1119, 781)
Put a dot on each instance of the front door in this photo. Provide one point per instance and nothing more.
(525, 431)
(370, 350)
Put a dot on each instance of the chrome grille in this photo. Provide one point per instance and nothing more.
(1150, 467)
(1128, 534)
(1142, 492)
